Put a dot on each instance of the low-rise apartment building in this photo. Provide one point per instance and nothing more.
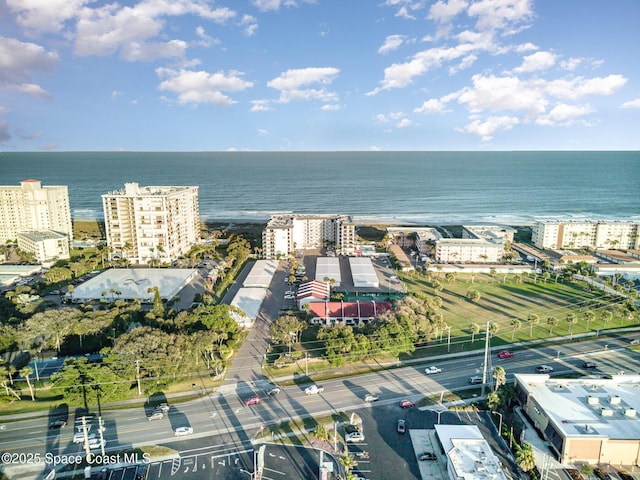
(556, 234)
(44, 245)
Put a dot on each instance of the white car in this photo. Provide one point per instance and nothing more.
(430, 370)
(313, 389)
(97, 444)
(544, 369)
(370, 397)
(79, 437)
(182, 431)
(354, 437)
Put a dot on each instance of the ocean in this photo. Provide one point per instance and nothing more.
(511, 188)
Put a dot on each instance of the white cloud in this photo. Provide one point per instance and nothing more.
(403, 12)
(291, 83)
(45, 17)
(488, 128)
(499, 14)
(572, 63)
(564, 115)
(503, 93)
(271, 5)
(405, 122)
(260, 106)
(381, 118)
(577, 87)
(202, 87)
(444, 12)
(331, 107)
(392, 42)
(250, 24)
(17, 62)
(131, 30)
(433, 105)
(536, 61)
(526, 47)
(263, 132)
(632, 103)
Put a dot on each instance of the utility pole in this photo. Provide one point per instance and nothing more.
(101, 430)
(448, 338)
(306, 364)
(486, 360)
(138, 376)
(86, 435)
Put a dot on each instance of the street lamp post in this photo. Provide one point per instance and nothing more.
(500, 423)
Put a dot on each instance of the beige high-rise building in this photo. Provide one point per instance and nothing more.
(588, 234)
(149, 224)
(34, 207)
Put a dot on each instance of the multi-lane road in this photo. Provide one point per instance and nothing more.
(224, 429)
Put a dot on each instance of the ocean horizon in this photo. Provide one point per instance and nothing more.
(443, 187)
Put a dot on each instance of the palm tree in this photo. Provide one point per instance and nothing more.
(25, 372)
(475, 329)
(572, 320)
(533, 319)
(525, 458)
(348, 462)
(607, 316)
(500, 376)
(516, 324)
(589, 316)
(493, 328)
(552, 322)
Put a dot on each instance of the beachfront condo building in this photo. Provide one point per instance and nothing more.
(44, 245)
(148, 225)
(618, 235)
(284, 234)
(468, 250)
(31, 206)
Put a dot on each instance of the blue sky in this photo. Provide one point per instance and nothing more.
(195, 75)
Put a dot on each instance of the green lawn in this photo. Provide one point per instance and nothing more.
(503, 300)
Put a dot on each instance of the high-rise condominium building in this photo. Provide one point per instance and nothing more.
(34, 207)
(149, 224)
(284, 234)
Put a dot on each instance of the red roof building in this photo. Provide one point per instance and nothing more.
(351, 313)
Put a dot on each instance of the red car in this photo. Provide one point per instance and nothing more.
(505, 354)
(407, 404)
(253, 400)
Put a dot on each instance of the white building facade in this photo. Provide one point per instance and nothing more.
(149, 224)
(34, 207)
(466, 250)
(588, 234)
(284, 234)
(45, 245)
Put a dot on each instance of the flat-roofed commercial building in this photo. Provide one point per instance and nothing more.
(261, 274)
(591, 420)
(328, 269)
(469, 455)
(588, 234)
(31, 206)
(45, 245)
(149, 224)
(363, 273)
(284, 234)
(348, 313)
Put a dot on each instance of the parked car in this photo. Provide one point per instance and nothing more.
(273, 391)
(589, 365)
(156, 415)
(313, 389)
(370, 397)
(505, 354)
(635, 341)
(163, 407)
(253, 400)
(407, 404)
(182, 431)
(475, 380)
(427, 456)
(432, 369)
(401, 426)
(59, 423)
(354, 437)
(544, 369)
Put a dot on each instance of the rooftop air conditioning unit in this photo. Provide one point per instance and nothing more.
(591, 400)
(606, 412)
(615, 400)
(630, 412)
